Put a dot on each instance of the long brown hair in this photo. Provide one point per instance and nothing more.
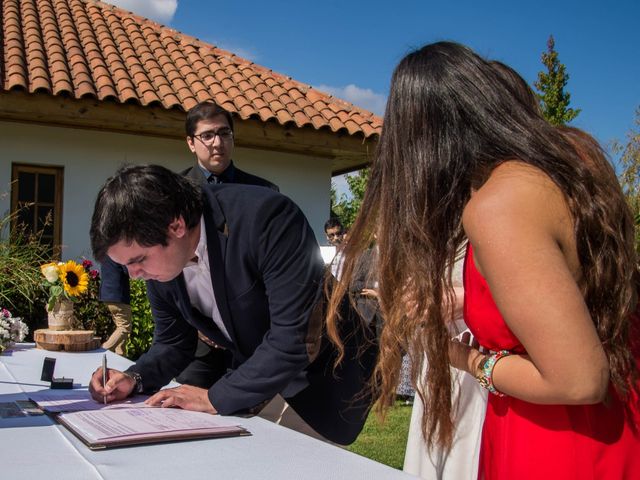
(450, 120)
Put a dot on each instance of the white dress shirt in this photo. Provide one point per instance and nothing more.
(197, 276)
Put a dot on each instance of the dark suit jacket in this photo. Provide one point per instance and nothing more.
(114, 282)
(232, 174)
(266, 271)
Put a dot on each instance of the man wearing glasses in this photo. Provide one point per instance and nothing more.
(334, 231)
(335, 234)
(209, 130)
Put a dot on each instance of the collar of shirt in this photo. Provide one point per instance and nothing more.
(228, 176)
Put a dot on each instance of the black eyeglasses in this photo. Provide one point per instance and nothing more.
(209, 137)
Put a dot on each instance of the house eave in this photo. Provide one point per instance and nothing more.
(345, 152)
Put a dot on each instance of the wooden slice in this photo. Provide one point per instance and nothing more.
(67, 340)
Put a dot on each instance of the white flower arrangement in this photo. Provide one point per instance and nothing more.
(12, 329)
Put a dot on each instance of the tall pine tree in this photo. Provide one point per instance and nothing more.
(554, 100)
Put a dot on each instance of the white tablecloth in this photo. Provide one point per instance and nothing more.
(36, 447)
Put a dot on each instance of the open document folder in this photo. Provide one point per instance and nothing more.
(131, 422)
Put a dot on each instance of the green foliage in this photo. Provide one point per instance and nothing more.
(554, 100)
(630, 172)
(21, 291)
(385, 442)
(142, 332)
(346, 208)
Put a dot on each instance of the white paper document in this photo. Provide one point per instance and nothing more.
(130, 421)
(76, 400)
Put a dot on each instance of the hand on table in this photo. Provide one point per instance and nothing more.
(186, 397)
(119, 385)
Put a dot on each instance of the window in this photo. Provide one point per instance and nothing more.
(36, 201)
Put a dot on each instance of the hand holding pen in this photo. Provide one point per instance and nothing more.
(107, 385)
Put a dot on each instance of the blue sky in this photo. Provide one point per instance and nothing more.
(350, 48)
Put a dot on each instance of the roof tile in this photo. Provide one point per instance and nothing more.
(86, 47)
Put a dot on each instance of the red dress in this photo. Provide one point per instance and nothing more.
(522, 440)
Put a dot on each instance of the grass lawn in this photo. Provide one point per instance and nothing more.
(385, 443)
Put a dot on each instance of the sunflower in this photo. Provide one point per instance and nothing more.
(74, 278)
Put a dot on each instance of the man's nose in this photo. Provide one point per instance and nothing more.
(134, 272)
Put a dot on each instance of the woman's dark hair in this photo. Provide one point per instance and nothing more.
(450, 121)
(139, 203)
(517, 87)
(204, 111)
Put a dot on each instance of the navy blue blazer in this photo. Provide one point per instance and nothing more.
(231, 174)
(266, 272)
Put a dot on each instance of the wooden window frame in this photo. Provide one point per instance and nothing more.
(58, 173)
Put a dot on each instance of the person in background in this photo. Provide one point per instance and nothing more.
(335, 234)
(115, 292)
(550, 274)
(209, 130)
(241, 265)
(334, 231)
(469, 402)
(210, 134)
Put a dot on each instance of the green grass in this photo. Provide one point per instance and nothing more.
(385, 443)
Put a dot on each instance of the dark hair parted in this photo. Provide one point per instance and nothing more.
(139, 203)
(450, 120)
(333, 222)
(204, 111)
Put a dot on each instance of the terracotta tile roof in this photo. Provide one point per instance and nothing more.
(90, 49)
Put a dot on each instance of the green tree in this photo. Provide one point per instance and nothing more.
(630, 171)
(346, 208)
(554, 100)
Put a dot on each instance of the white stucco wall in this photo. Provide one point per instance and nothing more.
(89, 157)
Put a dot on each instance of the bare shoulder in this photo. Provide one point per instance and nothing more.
(518, 202)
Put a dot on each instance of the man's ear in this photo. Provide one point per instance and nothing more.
(178, 228)
(191, 145)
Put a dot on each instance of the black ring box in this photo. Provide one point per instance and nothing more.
(47, 375)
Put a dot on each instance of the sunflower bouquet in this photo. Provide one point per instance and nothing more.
(66, 280)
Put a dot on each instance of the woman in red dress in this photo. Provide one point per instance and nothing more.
(550, 272)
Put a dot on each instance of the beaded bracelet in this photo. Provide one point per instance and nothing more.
(484, 373)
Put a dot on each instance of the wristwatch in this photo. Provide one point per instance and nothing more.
(137, 378)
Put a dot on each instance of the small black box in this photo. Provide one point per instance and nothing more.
(47, 369)
(62, 383)
(47, 375)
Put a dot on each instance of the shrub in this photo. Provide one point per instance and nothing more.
(21, 288)
(142, 332)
